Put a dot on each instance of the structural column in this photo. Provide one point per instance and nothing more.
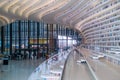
(51, 39)
(11, 38)
(19, 26)
(2, 40)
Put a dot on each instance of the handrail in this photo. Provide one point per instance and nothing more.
(74, 49)
(91, 70)
(63, 72)
(44, 68)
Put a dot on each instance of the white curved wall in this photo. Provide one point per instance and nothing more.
(102, 29)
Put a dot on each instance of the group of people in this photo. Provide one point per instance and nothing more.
(21, 55)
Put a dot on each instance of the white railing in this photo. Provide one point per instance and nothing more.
(91, 72)
(43, 71)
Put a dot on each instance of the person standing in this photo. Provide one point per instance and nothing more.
(32, 55)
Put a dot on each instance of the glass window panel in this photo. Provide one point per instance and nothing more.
(59, 33)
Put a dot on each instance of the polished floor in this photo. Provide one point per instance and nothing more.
(18, 70)
(103, 69)
(75, 70)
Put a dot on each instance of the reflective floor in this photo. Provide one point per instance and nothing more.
(75, 70)
(18, 70)
(50, 69)
(104, 69)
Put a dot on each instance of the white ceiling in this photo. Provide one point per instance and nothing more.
(71, 13)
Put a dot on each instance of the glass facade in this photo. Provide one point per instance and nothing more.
(37, 37)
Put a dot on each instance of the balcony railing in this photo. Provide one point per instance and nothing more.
(52, 68)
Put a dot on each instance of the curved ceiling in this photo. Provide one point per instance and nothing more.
(72, 13)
